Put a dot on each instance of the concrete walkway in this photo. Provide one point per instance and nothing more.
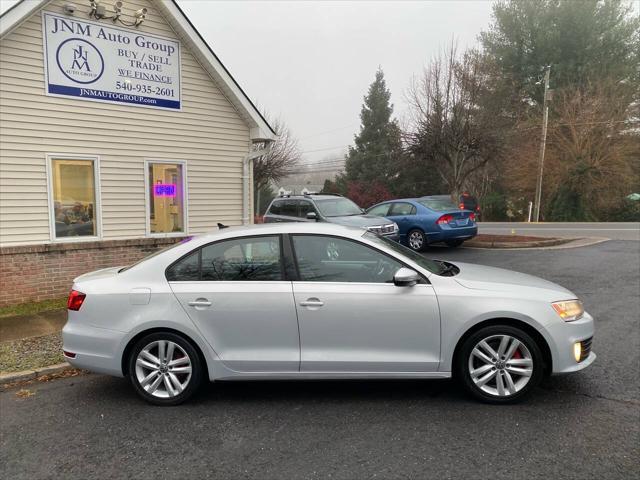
(25, 326)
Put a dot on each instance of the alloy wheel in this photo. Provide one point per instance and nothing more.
(163, 369)
(500, 365)
(416, 240)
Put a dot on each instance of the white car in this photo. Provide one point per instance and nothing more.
(320, 301)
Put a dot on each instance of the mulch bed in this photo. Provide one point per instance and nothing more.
(31, 353)
(514, 241)
(484, 237)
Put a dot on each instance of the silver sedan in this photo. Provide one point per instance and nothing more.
(320, 301)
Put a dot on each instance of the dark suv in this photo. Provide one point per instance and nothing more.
(327, 207)
(466, 202)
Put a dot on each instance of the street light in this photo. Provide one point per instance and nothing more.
(543, 141)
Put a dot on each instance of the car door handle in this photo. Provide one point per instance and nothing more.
(312, 302)
(200, 302)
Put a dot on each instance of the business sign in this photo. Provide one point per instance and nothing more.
(164, 190)
(96, 61)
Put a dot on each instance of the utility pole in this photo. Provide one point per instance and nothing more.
(543, 142)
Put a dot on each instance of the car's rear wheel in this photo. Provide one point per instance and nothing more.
(164, 368)
(454, 243)
(500, 364)
(417, 240)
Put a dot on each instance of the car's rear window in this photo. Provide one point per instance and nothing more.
(156, 253)
(438, 204)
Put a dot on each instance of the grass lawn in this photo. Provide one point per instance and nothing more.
(33, 307)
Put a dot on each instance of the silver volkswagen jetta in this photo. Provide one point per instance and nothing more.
(320, 301)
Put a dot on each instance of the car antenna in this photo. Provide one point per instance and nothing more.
(222, 225)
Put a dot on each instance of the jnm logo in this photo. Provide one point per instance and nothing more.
(80, 61)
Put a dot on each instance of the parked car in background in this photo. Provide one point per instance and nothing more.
(426, 220)
(327, 207)
(466, 201)
(320, 301)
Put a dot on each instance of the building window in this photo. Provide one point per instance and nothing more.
(166, 197)
(73, 196)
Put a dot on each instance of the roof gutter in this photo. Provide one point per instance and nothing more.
(246, 180)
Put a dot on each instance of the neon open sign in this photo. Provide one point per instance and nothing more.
(164, 190)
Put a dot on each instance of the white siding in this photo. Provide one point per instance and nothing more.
(208, 134)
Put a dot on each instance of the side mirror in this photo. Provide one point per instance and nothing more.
(312, 216)
(405, 277)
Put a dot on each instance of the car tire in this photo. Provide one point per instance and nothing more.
(416, 240)
(454, 243)
(501, 384)
(165, 380)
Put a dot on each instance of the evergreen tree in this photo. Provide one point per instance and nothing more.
(583, 41)
(378, 146)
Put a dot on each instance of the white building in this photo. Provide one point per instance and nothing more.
(115, 138)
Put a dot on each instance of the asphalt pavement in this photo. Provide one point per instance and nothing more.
(614, 231)
(583, 426)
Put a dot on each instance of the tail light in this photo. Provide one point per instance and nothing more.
(472, 217)
(461, 206)
(74, 302)
(444, 219)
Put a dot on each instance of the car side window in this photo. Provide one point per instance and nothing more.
(289, 208)
(187, 269)
(306, 207)
(380, 210)
(402, 208)
(275, 207)
(249, 259)
(241, 259)
(331, 259)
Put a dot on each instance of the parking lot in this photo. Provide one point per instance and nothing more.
(580, 426)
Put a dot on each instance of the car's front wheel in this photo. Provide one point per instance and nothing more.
(164, 368)
(416, 240)
(500, 364)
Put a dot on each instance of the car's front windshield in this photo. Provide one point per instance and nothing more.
(438, 204)
(337, 207)
(427, 264)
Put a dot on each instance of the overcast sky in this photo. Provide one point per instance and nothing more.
(311, 63)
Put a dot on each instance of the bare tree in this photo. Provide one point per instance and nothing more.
(593, 151)
(591, 160)
(283, 156)
(451, 130)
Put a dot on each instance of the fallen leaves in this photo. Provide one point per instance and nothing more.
(25, 393)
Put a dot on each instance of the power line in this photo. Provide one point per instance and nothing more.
(329, 131)
(323, 149)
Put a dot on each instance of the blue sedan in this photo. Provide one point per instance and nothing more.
(427, 220)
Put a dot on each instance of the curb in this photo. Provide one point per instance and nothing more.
(552, 244)
(25, 375)
(534, 244)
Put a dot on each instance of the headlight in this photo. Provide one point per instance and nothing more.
(569, 310)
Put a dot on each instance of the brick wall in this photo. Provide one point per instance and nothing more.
(41, 272)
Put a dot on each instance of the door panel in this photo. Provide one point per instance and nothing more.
(367, 327)
(403, 214)
(234, 291)
(252, 326)
(353, 318)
